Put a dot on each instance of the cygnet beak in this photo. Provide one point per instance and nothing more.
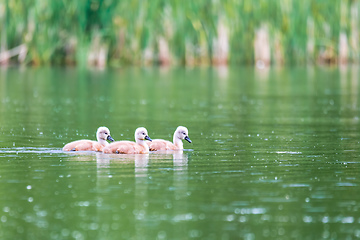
(187, 139)
(110, 138)
(148, 138)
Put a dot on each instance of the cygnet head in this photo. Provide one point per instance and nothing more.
(103, 133)
(182, 133)
(141, 134)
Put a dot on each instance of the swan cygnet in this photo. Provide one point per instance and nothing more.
(102, 134)
(128, 147)
(177, 144)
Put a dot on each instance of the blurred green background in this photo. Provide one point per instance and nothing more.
(201, 32)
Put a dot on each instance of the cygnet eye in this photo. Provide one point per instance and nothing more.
(143, 133)
(184, 133)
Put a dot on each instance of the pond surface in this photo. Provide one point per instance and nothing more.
(274, 154)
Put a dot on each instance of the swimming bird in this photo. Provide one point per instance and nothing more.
(102, 134)
(128, 147)
(179, 134)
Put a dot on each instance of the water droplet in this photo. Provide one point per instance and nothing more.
(307, 219)
(325, 219)
(230, 218)
(65, 232)
(162, 235)
(77, 235)
(93, 226)
(347, 220)
(194, 233)
(242, 219)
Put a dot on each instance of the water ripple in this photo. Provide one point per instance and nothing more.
(30, 150)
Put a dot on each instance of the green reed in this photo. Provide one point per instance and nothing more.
(130, 32)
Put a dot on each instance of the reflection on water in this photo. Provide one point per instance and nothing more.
(111, 166)
(274, 154)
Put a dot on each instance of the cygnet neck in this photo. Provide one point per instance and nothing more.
(143, 143)
(177, 142)
(102, 141)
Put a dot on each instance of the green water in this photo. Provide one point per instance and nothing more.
(274, 154)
